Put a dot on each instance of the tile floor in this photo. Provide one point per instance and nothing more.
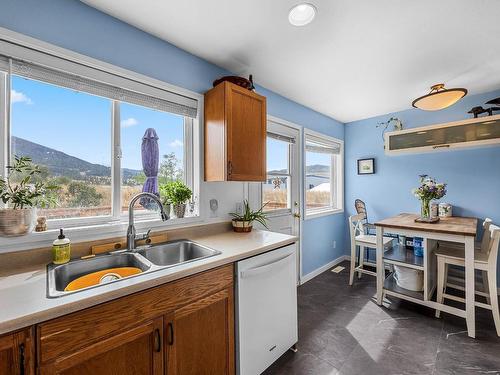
(343, 331)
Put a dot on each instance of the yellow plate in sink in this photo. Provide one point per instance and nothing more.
(101, 277)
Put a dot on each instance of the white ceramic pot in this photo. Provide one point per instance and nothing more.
(17, 222)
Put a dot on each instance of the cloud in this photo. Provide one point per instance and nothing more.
(19, 97)
(129, 122)
(176, 143)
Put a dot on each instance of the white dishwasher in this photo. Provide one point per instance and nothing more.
(266, 303)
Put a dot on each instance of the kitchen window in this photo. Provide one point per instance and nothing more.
(85, 128)
(323, 174)
(276, 188)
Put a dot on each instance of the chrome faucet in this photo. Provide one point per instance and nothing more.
(132, 237)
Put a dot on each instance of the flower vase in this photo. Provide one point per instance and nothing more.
(425, 210)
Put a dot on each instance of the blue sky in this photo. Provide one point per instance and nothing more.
(79, 124)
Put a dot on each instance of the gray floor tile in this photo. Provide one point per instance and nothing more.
(343, 331)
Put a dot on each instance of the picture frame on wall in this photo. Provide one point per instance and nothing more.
(366, 166)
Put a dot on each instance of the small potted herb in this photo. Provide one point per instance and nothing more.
(177, 194)
(244, 222)
(22, 192)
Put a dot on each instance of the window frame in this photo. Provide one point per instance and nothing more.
(336, 176)
(109, 223)
(287, 210)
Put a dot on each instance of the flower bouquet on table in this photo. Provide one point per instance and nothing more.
(428, 190)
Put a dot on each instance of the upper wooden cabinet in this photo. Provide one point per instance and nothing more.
(16, 351)
(235, 134)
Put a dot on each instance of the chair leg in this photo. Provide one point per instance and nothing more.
(492, 281)
(441, 282)
(361, 259)
(486, 285)
(353, 263)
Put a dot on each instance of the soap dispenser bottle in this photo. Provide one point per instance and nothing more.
(61, 249)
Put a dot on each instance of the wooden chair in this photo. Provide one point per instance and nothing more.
(360, 207)
(364, 241)
(485, 260)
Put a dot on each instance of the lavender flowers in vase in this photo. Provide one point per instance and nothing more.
(428, 190)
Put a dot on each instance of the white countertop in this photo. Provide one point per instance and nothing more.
(23, 295)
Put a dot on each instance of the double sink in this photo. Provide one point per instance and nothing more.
(146, 259)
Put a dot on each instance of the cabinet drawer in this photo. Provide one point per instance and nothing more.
(71, 332)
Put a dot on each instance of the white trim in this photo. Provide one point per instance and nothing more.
(336, 184)
(24, 40)
(304, 279)
(108, 226)
(320, 213)
(36, 240)
(4, 130)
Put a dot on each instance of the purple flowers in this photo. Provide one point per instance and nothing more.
(429, 189)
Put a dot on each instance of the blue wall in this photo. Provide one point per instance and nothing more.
(73, 25)
(473, 175)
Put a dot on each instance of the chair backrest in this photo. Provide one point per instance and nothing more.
(360, 206)
(494, 242)
(356, 225)
(485, 240)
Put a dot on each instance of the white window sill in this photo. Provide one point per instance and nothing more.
(320, 213)
(36, 240)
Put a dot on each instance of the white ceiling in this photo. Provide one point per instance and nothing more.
(358, 59)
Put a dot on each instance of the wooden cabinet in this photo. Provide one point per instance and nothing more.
(200, 337)
(184, 327)
(16, 353)
(235, 134)
(138, 350)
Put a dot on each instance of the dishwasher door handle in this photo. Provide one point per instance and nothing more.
(266, 267)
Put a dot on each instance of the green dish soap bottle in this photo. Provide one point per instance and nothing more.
(61, 249)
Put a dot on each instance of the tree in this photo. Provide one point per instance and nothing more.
(82, 195)
(170, 169)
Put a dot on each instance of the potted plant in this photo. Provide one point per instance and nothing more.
(177, 194)
(244, 222)
(22, 192)
(428, 190)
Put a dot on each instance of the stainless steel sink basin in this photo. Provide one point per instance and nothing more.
(59, 276)
(177, 252)
(148, 259)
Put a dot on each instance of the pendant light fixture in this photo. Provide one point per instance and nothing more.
(439, 98)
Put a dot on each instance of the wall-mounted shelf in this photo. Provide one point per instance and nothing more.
(476, 132)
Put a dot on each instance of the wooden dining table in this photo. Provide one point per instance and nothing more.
(459, 230)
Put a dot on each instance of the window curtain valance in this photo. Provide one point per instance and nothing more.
(40, 66)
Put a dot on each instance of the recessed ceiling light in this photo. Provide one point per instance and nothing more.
(302, 14)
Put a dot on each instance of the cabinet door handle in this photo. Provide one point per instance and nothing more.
(21, 359)
(157, 340)
(170, 334)
(229, 167)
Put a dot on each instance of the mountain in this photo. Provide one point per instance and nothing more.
(62, 164)
(310, 169)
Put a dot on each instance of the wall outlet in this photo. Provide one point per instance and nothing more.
(239, 208)
(334, 244)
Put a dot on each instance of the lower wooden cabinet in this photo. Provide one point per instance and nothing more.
(200, 337)
(139, 350)
(16, 353)
(180, 328)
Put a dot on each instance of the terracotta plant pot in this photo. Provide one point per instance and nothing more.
(242, 226)
(17, 222)
(179, 210)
